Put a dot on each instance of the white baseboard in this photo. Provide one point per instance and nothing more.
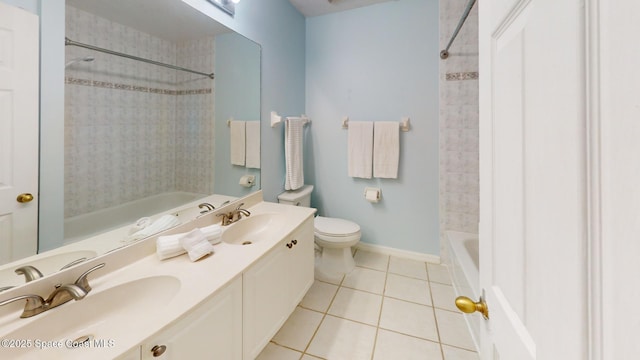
(434, 259)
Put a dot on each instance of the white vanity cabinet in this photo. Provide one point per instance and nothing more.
(273, 287)
(211, 331)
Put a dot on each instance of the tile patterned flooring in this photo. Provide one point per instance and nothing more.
(387, 308)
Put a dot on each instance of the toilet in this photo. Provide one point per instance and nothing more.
(335, 237)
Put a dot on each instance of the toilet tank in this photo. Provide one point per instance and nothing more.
(299, 197)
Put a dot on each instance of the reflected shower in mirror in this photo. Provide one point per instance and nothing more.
(138, 136)
(142, 140)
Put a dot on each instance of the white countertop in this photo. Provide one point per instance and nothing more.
(198, 281)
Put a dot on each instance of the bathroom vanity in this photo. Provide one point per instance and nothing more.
(225, 306)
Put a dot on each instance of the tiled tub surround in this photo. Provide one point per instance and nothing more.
(132, 129)
(459, 177)
(387, 308)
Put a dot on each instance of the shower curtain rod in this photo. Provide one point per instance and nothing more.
(67, 41)
(445, 53)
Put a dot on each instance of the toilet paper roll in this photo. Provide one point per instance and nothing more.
(372, 195)
(247, 180)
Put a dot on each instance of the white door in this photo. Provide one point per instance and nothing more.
(18, 133)
(533, 179)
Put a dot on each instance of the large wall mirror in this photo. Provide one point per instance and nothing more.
(143, 139)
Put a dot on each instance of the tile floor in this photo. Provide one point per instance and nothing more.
(387, 308)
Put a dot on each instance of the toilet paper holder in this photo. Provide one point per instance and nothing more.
(247, 180)
(372, 195)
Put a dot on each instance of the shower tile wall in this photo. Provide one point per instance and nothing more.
(132, 129)
(194, 111)
(459, 184)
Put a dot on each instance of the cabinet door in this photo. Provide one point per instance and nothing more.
(265, 300)
(301, 263)
(212, 331)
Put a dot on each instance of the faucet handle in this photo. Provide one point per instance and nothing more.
(34, 302)
(206, 205)
(82, 279)
(30, 272)
(226, 218)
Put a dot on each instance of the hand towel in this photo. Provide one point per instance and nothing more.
(294, 177)
(386, 149)
(196, 244)
(213, 233)
(237, 142)
(360, 149)
(139, 225)
(169, 246)
(253, 144)
(163, 223)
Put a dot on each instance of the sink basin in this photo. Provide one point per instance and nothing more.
(46, 264)
(253, 229)
(108, 316)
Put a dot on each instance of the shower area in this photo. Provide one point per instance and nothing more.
(138, 137)
(459, 150)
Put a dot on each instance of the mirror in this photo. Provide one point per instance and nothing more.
(142, 139)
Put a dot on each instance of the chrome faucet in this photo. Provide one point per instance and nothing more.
(63, 293)
(235, 215)
(30, 272)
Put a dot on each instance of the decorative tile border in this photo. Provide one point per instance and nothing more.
(110, 85)
(462, 76)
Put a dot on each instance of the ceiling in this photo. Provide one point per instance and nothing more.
(310, 8)
(167, 19)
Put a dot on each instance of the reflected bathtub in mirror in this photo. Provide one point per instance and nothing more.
(122, 142)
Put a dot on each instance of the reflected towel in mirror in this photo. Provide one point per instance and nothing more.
(163, 223)
(237, 142)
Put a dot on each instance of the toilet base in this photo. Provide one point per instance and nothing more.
(334, 261)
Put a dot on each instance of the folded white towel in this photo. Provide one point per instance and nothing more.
(139, 225)
(293, 154)
(360, 149)
(196, 244)
(386, 149)
(163, 223)
(237, 142)
(213, 233)
(168, 246)
(253, 144)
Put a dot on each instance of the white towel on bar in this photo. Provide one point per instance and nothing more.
(360, 149)
(386, 149)
(253, 144)
(293, 132)
(237, 142)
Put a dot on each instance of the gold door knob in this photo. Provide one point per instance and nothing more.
(24, 198)
(468, 306)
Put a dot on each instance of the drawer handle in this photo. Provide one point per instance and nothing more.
(294, 241)
(158, 350)
(289, 245)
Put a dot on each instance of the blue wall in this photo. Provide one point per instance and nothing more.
(237, 95)
(376, 63)
(280, 30)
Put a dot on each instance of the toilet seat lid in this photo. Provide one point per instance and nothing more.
(335, 227)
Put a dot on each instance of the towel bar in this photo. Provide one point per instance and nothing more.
(405, 125)
(277, 119)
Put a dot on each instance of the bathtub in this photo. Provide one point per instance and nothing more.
(463, 264)
(87, 225)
